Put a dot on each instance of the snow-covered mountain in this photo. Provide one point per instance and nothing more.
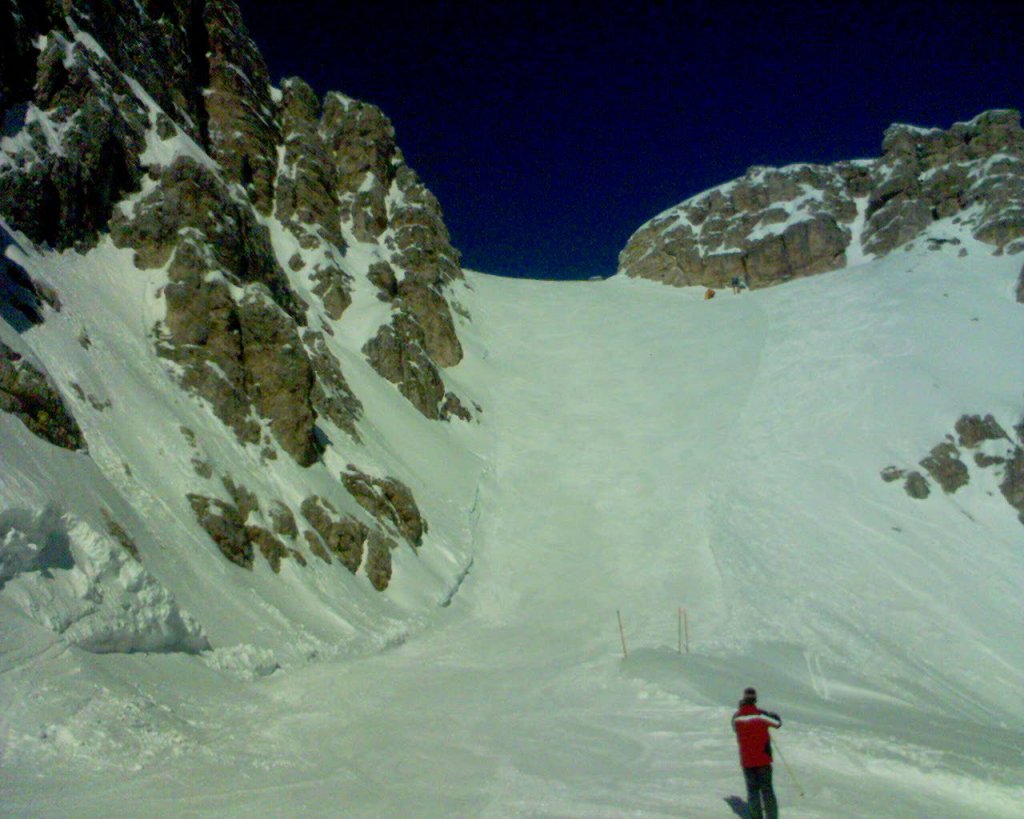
(230, 306)
(254, 415)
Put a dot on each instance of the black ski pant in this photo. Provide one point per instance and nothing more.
(760, 792)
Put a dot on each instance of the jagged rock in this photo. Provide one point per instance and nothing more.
(189, 200)
(397, 353)
(225, 525)
(932, 174)
(361, 144)
(270, 547)
(278, 374)
(259, 362)
(332, 285)
(892, 473)
(431, 313)
(331, 395)
(454, 408)
(378, 560)
(307, 201)
(916, 485)
(203, 329)
(240, 115)
(774, 224)
(382, 275)
(389, 501)
(1012, 486)
(244, 499)
(166, 51)
(62, 194)
(985, 461)
(26, 393)
(421, 237)
(316, 546)
(971, 430)
(946, 468)
(283, 520)
(344, 538)
(768, 226)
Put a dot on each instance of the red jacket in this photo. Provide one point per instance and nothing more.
(751, 725)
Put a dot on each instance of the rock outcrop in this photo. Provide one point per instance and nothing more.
(27, 393)
(164, 130)
(390, 501)
(238, 528)
(256, 210)
(946, 467)
(775, 224)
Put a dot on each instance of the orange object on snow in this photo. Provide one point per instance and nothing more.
(709, 294)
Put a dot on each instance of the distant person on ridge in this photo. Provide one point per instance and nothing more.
(751, 725)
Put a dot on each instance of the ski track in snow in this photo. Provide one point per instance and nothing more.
(646, 447)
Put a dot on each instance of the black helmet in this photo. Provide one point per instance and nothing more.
(749, 695)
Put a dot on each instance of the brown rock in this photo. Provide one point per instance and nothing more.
(382, 275)
(389, 501)
(916, 486)
(378, 559)
(240, 123)
(307, 201)
(945, 466)
(923, 175)
(270, 547)
(1012, 486)
(244, 499)
(331, 396)
(117, 531)
(190, 201)
(278, 375)
(26, 393)
(225, 526)
(397, 353)
(454, 408)
(283, 520)
(429, 309)
(892, 473)
(343, 538)
(973, 429)
(316, 546)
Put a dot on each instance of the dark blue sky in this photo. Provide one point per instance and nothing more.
(551, 131)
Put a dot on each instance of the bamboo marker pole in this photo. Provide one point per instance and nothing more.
(680, 649)
(622, 634)
(686, 627)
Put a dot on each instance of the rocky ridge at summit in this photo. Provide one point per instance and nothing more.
(776, 224)
(261, 214)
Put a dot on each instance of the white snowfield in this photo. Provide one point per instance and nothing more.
(641, 451)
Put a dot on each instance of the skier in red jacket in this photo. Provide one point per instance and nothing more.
(751, 725)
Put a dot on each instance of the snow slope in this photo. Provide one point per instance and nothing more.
(642, 450)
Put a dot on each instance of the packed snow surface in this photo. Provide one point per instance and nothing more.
(655, 455)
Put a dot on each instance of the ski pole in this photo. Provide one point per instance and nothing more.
(622, 634)
(785, 764)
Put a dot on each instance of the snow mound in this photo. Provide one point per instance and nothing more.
(243, 662)
(84, 585)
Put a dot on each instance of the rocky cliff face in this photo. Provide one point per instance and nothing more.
(261, 213)
(775, 224)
